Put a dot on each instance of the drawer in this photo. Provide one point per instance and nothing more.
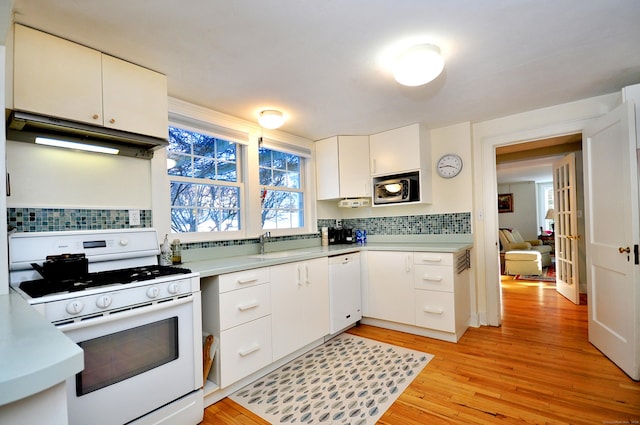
(435, 310)
(244, 305)
(244, 279)
(437, 278)
(244, 350)
(433, 258)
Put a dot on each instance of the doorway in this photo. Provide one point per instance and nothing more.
(520, 170)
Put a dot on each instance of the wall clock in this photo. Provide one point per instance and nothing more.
(449, 166)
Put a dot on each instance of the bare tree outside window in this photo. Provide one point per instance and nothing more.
(205, 196)
(281, 194)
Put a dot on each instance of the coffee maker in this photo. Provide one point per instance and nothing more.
(340, 235)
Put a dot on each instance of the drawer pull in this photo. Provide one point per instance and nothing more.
(245, 307)
(247, 351)
(432, 259)
(432, 310)
(432, 278)
(244, 280)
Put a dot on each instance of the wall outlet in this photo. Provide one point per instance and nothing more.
(339, 223)
(134, 217)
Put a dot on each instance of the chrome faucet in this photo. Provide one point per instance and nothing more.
(263, 238)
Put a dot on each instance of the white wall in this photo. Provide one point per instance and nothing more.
(44, 177)
(523, 218)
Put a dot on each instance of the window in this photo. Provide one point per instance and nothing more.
(281, 186)
(545, 202)
(205, 188)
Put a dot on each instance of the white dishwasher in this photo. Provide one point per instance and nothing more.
(344, 291)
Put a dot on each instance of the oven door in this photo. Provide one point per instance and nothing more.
(135, 361)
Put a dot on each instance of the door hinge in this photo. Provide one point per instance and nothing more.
(635, 254)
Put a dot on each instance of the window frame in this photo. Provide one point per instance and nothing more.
(239, 184)
(248, 136)
(302, 165)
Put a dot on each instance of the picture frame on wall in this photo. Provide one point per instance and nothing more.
(505, 203)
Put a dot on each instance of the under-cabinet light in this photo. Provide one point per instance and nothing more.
(75, 145)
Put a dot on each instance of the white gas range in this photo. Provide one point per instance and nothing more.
(138, 323)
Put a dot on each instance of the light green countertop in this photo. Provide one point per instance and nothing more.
(34, 355)
(216, 266)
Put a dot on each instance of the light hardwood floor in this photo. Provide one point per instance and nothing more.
(537, 368)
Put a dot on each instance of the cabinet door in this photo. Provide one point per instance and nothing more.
(435, 310)
(390, 290)
(244, 350)
(56, 77)
(395, 151)
(300, 304)
(135, 98)
(327, 177)
(355, 177)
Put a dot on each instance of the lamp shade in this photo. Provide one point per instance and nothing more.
(418, 65)
(271, 119)
(551, 214)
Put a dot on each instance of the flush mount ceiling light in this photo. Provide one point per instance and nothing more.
(270, 118)
(418, 65)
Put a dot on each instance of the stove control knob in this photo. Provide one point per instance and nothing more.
(153, 292)
(103, 301)
(173, 288)
(124, 242)
(74, 307)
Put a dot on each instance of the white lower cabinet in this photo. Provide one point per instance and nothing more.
(300, 304)
(430, 295)
(261, 315)
(236, 309)
(245, 349)
(390, 286)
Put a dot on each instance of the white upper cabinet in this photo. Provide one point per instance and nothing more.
(401, 150)
(59, 78)
(342, 167)
(56, 77)
(134, 98)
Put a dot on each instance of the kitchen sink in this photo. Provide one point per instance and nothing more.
(279, 254)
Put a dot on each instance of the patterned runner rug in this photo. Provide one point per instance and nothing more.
(347, 380)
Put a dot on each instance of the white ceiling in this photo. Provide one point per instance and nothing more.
(318, 60)
(539, 170)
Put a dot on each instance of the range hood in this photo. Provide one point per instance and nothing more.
(25, 127)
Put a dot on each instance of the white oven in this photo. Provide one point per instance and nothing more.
(135, 361)
(139, 327)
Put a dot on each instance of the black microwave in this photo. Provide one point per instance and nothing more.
(396, 190)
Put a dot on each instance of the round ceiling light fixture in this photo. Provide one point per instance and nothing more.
(270, 118)
(418, 65)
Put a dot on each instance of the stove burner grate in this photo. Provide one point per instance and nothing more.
(42, 287)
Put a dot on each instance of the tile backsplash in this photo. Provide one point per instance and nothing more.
(429, 224)
(62, 219)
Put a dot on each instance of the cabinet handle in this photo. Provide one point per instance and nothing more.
(112, 120)
(306, 274)
(407, 265)
(95, 116)
(299, 278)
(245, 307)
(244, 280)
(432, 259)
(432, 278)
(373, 165)
(247, 351)
(432, 310)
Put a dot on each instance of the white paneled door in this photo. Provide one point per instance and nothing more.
(611, 205)
(566, 228)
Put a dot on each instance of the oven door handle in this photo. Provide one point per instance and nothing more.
(112, 317)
